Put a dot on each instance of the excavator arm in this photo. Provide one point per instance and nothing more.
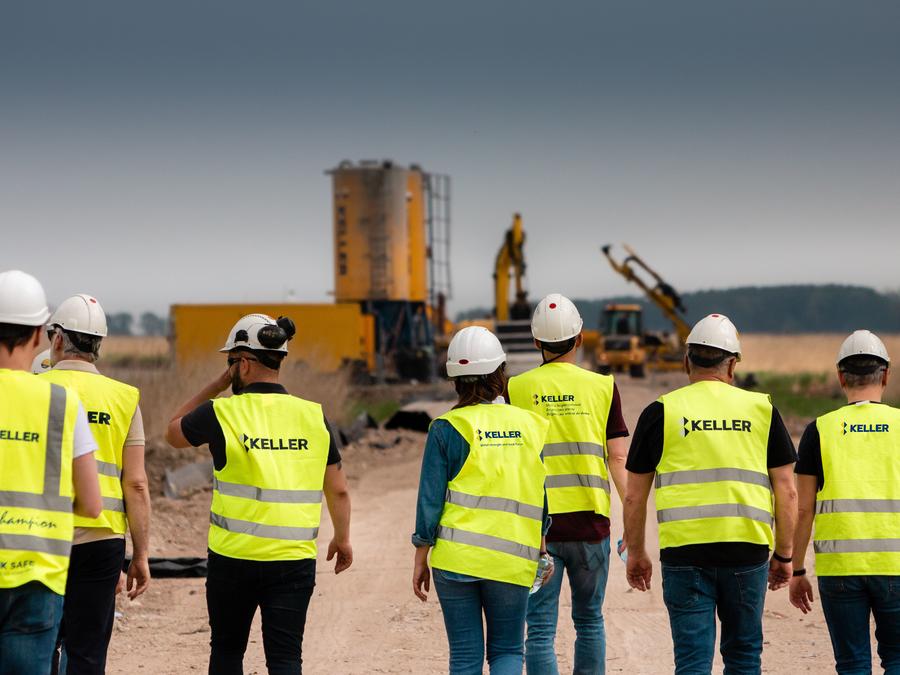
(510, 257)
(661, 293)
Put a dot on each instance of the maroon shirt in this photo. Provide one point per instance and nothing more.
(587, 525)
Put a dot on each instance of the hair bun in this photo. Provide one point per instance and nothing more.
(287, 325)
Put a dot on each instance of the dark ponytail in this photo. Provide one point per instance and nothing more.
(480, 388)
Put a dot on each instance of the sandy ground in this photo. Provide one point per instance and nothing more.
(367, 619)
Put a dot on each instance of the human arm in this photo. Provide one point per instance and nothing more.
(174, 435)
(782, 479)
(337, 497)
(136, 492)
(617, 449)
(638, 568)
(421, 573)
(87, 500)
(801, 593)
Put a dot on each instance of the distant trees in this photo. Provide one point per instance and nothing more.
(121, 323)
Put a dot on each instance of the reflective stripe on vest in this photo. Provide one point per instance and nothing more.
(267, 499)
(491, 524)
(857, 522)
(712, 481)
(118, 401)
(576, 403)
(27, 517)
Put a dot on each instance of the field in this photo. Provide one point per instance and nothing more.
(367, 620)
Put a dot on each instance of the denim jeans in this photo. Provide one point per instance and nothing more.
(235, 588)
(847, 603)
(503, 606)
(694, 595)
(587, 566)
(29, 622)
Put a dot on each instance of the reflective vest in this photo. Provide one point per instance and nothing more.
(110, 406)
(712, 482)
(576, 402)
(267, 501)
(37, 426)
(491, 524)
(857, 526)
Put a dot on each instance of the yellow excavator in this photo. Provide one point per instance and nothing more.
(625, 345)
(511, 257)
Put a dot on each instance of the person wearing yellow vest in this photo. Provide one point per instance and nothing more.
(481, 511)
(585, 450)
(47, 474)
(76, 331)
(848, 481)
(723, 467)
(274, 456)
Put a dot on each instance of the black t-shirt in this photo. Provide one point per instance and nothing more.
(809, 462)
(201, 426)
(644, 456)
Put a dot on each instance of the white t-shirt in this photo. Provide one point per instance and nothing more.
(84, 439)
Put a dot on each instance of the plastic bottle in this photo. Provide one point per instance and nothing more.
(622, 550)
(545, 563)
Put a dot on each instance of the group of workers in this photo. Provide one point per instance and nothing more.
(515, 490)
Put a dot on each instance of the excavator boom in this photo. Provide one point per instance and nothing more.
(511, 256)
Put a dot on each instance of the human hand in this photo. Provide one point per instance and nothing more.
(344, 552)
(120, 584)
(421, 579)
(138, 578)
(780, 574)
(801, 593)
(639, 570)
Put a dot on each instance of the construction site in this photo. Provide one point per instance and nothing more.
(377, 371)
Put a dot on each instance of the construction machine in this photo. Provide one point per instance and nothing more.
(512, 320)
(625, 345)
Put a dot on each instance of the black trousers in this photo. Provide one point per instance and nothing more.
(89, 607)
(281, 589)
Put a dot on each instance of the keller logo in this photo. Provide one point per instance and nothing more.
(485, 435)
(537, 399)
(865, 428)
(554, 398)
(23, 436)
(688, 426)
(255, 443)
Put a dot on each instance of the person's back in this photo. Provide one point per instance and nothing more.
(584, 452)
(848, 480)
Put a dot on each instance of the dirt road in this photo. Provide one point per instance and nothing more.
(367, 619)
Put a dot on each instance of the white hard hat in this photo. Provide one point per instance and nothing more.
(80, 314)
(863, 343)
(474, 351)
(41, 363)
(555, 319)
(716, 330)
(246, 334)
(22, 299)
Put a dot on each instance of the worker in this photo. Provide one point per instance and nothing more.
(848, 481)
(273, 456)
(718, 453)
(586, 445)
(481, 510)
(76, 331)
(47, 472)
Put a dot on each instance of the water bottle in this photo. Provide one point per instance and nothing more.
(622, 550)
(544, 563)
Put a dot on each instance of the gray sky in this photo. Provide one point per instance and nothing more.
(174, 151)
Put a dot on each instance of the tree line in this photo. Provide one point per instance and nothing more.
(766, 309)
(148, 323)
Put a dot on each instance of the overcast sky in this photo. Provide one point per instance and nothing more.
(165, 151)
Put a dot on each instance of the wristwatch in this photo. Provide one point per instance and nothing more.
(780, 558)
(800, 572)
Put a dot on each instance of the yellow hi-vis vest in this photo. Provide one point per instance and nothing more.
(576, 402)
(712, 482)
(37, 428)
(857, 526)
(493, 511)
(267, 501)
(110, 407)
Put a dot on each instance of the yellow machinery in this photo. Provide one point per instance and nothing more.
(625, 345)
(511, 256)
(391, 279)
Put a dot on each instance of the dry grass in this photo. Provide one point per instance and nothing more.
(135, 346)
(813, 353)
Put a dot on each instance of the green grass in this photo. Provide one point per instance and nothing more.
(807, 395)
(379, 409)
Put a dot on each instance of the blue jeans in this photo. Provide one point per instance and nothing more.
(587, 566)
(503, 606)
(694, 595)
(847, 603)
(29, 622)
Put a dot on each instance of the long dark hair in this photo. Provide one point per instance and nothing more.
(480, 388)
